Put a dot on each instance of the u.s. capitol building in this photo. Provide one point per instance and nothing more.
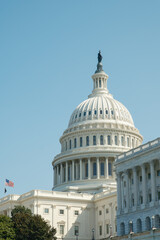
(83, 200)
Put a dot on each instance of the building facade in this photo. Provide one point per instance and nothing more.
(138, 189)
(83, 200)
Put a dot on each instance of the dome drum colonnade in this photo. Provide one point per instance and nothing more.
(99, 129)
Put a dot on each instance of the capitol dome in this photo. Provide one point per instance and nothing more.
(100, 128)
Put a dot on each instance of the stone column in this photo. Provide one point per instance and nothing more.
(144, 183)
(153, 185)
(89, 168)
(119, 194)
(98, 173)
(127, 190)
(61, 173)
(72, 170)
(66, 171)
(106, 168)
(80, 162)
(135, 186)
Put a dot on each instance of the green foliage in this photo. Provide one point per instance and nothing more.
(6, 228)
(30, 227)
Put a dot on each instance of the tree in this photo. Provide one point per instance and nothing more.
(28, 226)
(6, 228)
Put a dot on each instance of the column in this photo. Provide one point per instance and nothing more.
(106, 169)
(80, 162)
(98, 168)
(54, 169)
(89, 168)
(119, 192)
(66, 171)
(61, 173)
(153, 185)
(127, 190)
(144, 183)
(135, 186)
(76, 170)
(72, 170)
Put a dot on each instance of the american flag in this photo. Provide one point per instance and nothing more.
(9, 183)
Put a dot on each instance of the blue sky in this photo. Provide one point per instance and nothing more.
(48, 52)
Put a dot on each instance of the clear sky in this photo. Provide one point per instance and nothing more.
(48, 52)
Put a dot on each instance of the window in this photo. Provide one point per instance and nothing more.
(89, 112)
(96, 83)
(94, 140)
(106, 111)
(116, 140)
(100, 230)
(46, 210)
(66, 146)
(87, 141)
(141, 199)
(132, 143)
(61, 211)
(84, 114)
(76, 230)
(61, 229)
(107, 210)
(76, 212)
(80, 115)
(94, 169)
(101, 140)
(150, 197)
(158, 173)
(107, 228)
(100, 212)
(127, 141)
(124, 183)
(70, 144)
(95, 112)
(81, 142)
(158, 195)
(140, 178)
(100, 83)
(149, 176)
(76, 116)
(100, 111)
(122, 141)
(69, 173)
(110, 169)
(132, 181)
(86, 169)
(102, 168)
(109, 140)
(112, 112)
(75, 143)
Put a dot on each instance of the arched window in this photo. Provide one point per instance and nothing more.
(130, 226)
(87, 141)
(122, 229)
(116, 140)
(148, 223)
(109, 140)
(94, 169)
(94, 140)
(139, 225)
(75, 143)
(81, 142)
(102, 168)
(101, 140)
(70, 144)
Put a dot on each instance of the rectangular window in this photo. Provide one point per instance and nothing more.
(110, 169)
(116, 140)
(101, 140)
(69, 173)
(140, 178)
(141, 199)
(100, 212)
(149, 176)
(81, 142)
(76, 212)
(158, 195)
(94, 140)
(107, 211)
(61, 211)
(76, 230)
(124, 183)
(87, 141)
(75, 143)
(100, 230)
(70, 144)
(94, 169)
(127, 141)
(122, 141)
(150, 197)
(102, 168)
(109, 140)
(61, 229)
(158, 173)
(107, 228)
(46, 210)
(86, 170)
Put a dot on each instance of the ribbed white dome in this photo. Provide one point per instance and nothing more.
(104, 108)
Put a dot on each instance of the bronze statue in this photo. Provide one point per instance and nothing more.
(99, 57)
